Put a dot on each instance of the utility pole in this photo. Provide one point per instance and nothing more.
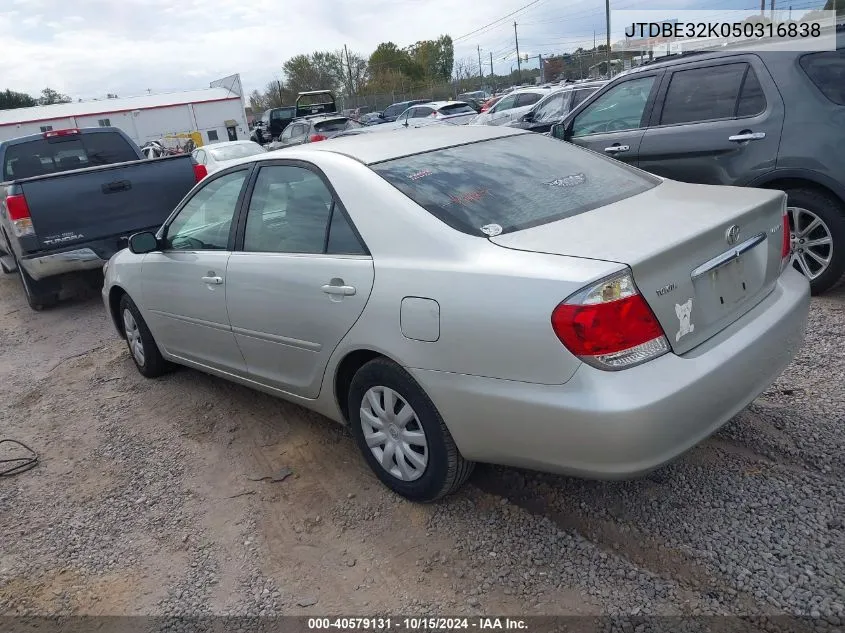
(790, 11)
(772, 9)
(348, 71)
(594, 39)
(491, 64)
(480, 70)
(542, 70)
(607, 19)
(518, 62)
(763, 7)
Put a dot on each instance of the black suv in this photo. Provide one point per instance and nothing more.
(761, 117)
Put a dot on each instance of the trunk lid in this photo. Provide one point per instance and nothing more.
(674, 238)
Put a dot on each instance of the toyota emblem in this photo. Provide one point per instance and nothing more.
(732, 235)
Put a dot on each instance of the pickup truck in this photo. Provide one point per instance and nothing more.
(70, 199)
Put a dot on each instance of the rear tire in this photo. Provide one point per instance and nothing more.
(430, 470)
(39, 294)
(142, 346)
(805, 203)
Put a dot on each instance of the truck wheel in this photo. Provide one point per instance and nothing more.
(401, 434)
(142, 346)
(35, 295)
(817, 231)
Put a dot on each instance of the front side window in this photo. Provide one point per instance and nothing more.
(620, 108)
(290, 211)
(204, 223)
(515, 182)
(504, 104)
(550, 109)
(712, 93)
(827, 71)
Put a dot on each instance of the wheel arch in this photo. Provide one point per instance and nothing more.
(346, 368)
(794, 178)
(115, 295)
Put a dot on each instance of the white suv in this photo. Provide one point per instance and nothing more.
(511, 107)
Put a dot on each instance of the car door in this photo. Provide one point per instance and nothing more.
(298, 280)
(498, 110)
(715, 123)
(184, 285)
(523, 103)
(613, 123)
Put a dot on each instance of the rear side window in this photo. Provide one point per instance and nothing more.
(711, 93)
(527, 99)
(51, 156)
(332, 125)
(827, 71)
(511, 183)
(456, 108)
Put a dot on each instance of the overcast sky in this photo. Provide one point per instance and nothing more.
(87, 48)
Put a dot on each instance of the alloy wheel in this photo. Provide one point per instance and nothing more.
(394, 434)
(810, 241)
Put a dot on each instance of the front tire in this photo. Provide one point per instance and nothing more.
(817, 230)
(401, 434)
(142, 346)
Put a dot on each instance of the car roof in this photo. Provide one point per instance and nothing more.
(439, 104)
(376, 148)
(227, 144)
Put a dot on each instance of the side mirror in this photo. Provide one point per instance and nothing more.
(141, 243)
(528, 117)
(559, 131)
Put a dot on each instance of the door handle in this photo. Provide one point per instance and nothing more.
(118, 185)
(616, 149)
(345, 291)
(216, 281)
(747, 136)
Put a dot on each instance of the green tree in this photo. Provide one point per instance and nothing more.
(9, 99)
(50, 96)
(388, 57)
(318, 71)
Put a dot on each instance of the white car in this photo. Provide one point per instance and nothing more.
(220, 155)
(455, 112)
(511, 107)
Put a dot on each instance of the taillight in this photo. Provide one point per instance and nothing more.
(609, 325)
(200, 172)
(317, 137)
(433, 115)
(18, 211)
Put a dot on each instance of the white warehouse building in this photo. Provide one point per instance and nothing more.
(216, 113)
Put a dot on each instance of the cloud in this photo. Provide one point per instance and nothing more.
(88, 48)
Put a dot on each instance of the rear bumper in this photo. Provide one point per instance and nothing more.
(79, 259)
(617, 425)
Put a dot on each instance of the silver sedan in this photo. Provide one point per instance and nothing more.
(472, 294)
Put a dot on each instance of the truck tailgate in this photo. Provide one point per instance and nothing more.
(97, 202)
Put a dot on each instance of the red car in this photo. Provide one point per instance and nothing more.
(490, 103)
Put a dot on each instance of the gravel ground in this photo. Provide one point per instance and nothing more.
(148, 500)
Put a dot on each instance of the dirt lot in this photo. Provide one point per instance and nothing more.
(149, 499)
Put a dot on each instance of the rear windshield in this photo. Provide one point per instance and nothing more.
(51, 156)
(456, 108)
(335, 125)
(514, 183)
(827, 71)
(284, 113)
(231, 152)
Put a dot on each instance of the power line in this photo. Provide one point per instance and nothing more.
(504, 17)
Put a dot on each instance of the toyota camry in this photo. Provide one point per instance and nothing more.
(472, 294)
